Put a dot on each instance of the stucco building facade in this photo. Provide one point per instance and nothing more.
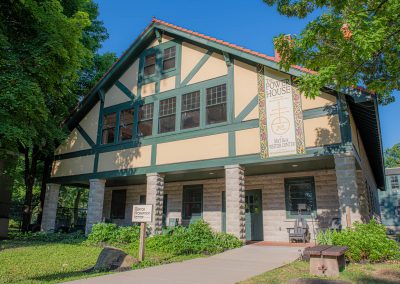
(202, 128)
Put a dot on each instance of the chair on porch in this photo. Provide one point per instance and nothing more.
(300, 231)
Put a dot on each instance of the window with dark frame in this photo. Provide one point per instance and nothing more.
(169, 58)
(146, 120)
(142, 199)
(108, 129)
(190, 115)
(300, 196)
(167, 113)
(394, 183)
(192, 201)
(149, 65)
(126, 125)
(216, 104)
(118, 201)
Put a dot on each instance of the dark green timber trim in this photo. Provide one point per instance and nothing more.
(196, 68)
(153, 155)
(245, 112)
(232, 144)
(85, 136)
(124, 89)
(231, 91)
(212, 163)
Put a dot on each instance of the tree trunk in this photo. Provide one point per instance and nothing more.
(46, 174)
(76, 205)
(30, 174)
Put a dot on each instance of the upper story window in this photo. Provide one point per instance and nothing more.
(126, 125)
(216, 104)
(108, 131)
(149, 65)
(190, 116)
(169, 58)
(394, 183)
(167, 113)
(146, 120)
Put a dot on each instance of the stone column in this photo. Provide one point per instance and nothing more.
(155, 196)
(346, 178)
(95, 203)
(50, 207)
(235, 204)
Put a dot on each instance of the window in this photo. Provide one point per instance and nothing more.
(142, 199)
(192, 201)
(216, 104)
(300, 196)
(190, 116)
(118, 200)
(146, 120)
(169, 58)
(149, 65)
(394, 183)
(126, 125)
(108, 132)
(167, 111)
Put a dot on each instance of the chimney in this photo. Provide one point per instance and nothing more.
(277, 55)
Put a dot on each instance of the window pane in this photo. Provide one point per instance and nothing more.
(149, 64)
(167, 115)
(126, 125)
(146, 120)
(192, 201)
(191, 101)
(169, 64)
(301, 196)
(108, 130)
(190, 116)
(166, 124)
(149, 70)
(169, 58)
(216, 104)
(216, 114)
(190, 119)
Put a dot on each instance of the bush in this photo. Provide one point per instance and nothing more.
(365, 242)
(325, 237)
(111, 233)
(197, 238)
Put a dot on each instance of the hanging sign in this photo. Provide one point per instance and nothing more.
(281, 116)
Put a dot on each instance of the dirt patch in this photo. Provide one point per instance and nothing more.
(388, 275)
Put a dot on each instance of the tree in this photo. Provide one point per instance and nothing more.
(352, 42)
(392, 156)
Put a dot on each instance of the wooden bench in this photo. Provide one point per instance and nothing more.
(326, 260)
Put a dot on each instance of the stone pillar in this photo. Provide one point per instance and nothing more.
(95, 203)
(235, 204)
(50, 207)
(346, 178)
(155, 196)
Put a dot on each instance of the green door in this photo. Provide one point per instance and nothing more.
(254, 218)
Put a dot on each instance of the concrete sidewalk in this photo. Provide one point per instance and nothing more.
(228, 267)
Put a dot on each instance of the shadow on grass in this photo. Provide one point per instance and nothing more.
(10, 243)
(67, 276)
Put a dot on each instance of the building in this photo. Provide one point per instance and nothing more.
(201, 128)
(390, 200)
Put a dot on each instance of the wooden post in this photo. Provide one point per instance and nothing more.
(348, 217)
(142, 240)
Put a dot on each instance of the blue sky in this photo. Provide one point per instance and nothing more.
(248, 23)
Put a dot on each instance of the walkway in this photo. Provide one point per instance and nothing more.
(228, 267)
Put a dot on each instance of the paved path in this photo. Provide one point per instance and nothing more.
(228, 267)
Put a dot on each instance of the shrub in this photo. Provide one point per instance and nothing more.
(365, 242)
(111, 233)
(325, 237)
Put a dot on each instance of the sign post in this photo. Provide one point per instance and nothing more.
(142, 214)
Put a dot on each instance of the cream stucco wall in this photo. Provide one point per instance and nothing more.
(245, 86)
(191, 55)
(125, 159)
(322, 130)
(215, 66)
(73, 166)
(75, 142)
(323, 100)
(115, 96)
(130, 77)
(164, 38)
(201, 148)
(167, 84)
(247, 141)
(148, 89)
(91, 121)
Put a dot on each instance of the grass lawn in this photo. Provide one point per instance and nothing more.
(24, 261)
(382, 273)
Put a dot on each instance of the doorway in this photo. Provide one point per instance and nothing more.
(254, 216)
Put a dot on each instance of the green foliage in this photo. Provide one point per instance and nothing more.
(197, 238)
(48, 237)
(363, 35)
(111, 233)
(392, 156)
(365, 242)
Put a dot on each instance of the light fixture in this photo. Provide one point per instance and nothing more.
(295, 166)
(211, 173)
